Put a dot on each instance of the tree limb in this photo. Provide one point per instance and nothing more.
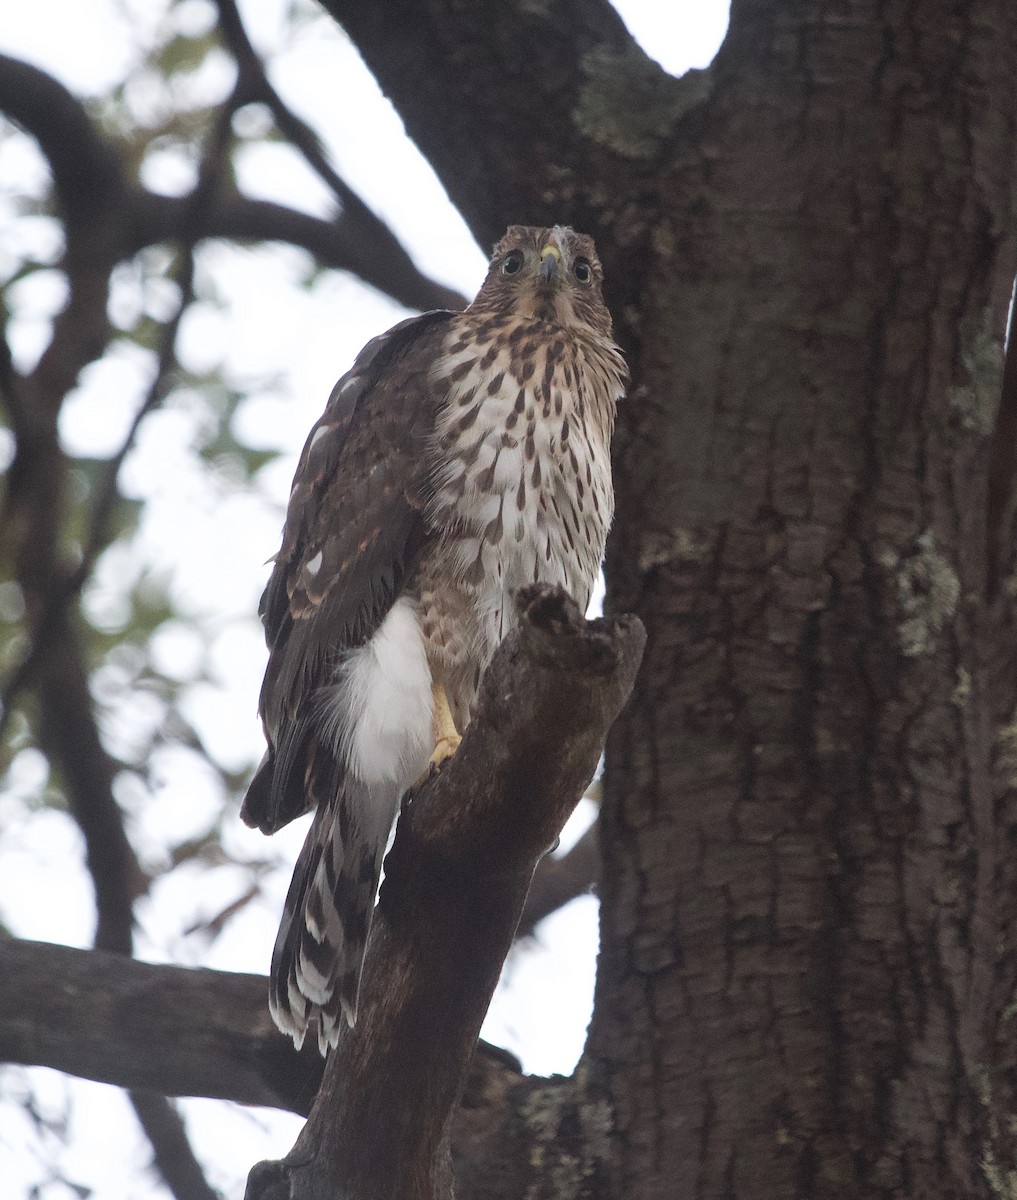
(175, 1031)
(456, 879)
(150, 1027)
(333, 243)
(93, 193)
(559, 880)
(371, 250)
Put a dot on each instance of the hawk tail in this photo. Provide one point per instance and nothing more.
(319, 951)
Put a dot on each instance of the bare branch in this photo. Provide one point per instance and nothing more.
(456, 878)
(333, 243)
(372, 250)
(86, 171)
(171, 1030)
(559, 880)
(174, 1031)
(174, 1159)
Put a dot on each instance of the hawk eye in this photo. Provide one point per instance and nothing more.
(513, 262)
(582, 270)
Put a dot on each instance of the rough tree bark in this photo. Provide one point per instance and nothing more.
(809, 901)
(808, 894)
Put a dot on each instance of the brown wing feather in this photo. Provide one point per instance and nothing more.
(353, 532)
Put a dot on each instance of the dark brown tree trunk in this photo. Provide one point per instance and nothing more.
(809, 902)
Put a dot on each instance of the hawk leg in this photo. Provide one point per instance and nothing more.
(446, 736)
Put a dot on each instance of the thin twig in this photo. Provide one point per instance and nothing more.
(255, 85)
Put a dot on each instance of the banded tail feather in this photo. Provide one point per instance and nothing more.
(319, 951)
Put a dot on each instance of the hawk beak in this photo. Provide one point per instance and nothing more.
(550, 264)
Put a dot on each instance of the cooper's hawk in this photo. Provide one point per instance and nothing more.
(463, 456)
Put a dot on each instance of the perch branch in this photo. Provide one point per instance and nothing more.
(456, 879)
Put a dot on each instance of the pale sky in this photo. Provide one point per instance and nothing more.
(287, 343)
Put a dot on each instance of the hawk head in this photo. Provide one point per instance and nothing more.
(549, 275)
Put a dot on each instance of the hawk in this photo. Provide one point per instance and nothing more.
(463, 456)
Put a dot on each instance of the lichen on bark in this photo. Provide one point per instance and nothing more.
(927, 592)
(570, 1136)
(630, 104)
(1006, 751)
(976, 401)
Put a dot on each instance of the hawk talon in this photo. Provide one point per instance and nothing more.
(446, 736)
(444, 748)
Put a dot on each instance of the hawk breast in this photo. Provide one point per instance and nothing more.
(523, 481)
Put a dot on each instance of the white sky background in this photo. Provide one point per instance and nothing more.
(288, 343)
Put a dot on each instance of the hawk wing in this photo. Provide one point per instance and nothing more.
(354, 531)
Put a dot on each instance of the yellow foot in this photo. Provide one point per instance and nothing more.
(444, 748)
(446, 736)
